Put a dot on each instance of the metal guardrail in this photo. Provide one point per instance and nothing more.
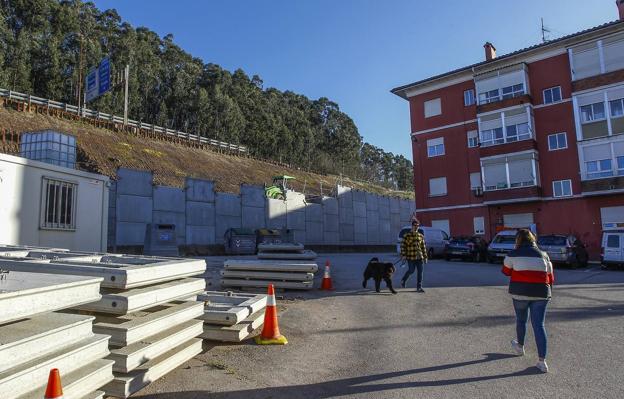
(87, 113)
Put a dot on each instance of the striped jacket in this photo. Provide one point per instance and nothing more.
(413, 246)
(531, 272)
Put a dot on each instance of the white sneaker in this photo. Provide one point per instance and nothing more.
(519, 349)
(542, 366)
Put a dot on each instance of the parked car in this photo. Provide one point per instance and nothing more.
(564, 249)
(503, 243)
(612, 253)
(466, 248)
(435, 239)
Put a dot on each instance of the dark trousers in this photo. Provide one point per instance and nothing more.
(412, 266)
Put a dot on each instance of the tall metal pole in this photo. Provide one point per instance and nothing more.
(126, 78)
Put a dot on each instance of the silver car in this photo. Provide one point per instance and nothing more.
(503, 243)
(564, 249)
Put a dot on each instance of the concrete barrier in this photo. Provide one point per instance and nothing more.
(199, 190)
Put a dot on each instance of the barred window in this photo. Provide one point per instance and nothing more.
(58, 204)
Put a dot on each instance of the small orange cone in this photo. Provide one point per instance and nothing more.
(270, 334)
(326, 284)
(54, 390)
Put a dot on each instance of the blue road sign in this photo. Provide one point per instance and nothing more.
(104, 76)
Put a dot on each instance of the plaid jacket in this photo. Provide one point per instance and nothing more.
(413, 246)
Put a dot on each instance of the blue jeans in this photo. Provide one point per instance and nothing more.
(537, 309)
(412, 265)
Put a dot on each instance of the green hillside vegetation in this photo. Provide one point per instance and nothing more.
(40, 54)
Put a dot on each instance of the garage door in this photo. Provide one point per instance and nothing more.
(518, 220)
(612, 217)
(442, 225)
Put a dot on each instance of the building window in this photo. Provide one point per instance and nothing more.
(617, 108)
(492, 136)
(562, 188)
(518, 132)
(437, 186)
(475, 180)
(513, 91)
(473, 139)
(435, 147)
(58, 204)
(599, 168)
(557, 141)
(479, 225)
(509, 173)
(552, 95)
(433, 108)
(592, 112)
(469, 97)
(620, 165)
(489, 96)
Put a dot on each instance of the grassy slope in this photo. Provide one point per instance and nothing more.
(103, 151)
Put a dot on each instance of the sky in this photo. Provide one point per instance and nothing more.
(355, 51)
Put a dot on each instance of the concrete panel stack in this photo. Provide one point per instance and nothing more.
(372, 219)
(134, 206)
(385, 231)
(231, 317)
(331, 221)
(253, 204)
(345, 203)
(228, 214)
(140, 307)
(200, 212)
(285, 250)
(35, 339)
(169, 208)
(296, 215)
(360, 225)
(296, 275)
(314, 223)
(276, 214)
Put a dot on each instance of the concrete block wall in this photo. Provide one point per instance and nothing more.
(202, 215)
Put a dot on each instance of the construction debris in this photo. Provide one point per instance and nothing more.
(35, 340)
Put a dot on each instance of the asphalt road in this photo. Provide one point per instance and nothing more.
(451, 342)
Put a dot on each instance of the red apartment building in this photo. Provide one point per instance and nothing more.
(534, 138)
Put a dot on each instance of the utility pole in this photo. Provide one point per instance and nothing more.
(80, 61)
(126, 78)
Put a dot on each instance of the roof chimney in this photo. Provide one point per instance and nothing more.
(620, 6)
(490, 50)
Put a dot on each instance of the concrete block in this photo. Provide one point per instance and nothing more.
(281, 247)
(405, 215)
(331, 223)
(169, 199)
(40, 335)
(302, 255)
(228, 308)
(359, 209)
(360, 225)
(372, 202)
(296, 220)
(27, 294)
(385, 232)
(404, 204)
(330, 206)
(332, 238)
(235, 333)
(132, 356)
(360, 239)
(253, 196)
(22, 379)
(200, 235)
(283, 276)
(131, 208)
(384, 208)
(372, 234)
(295, 202)
(199, 190)
(134, 182)
(395, 205)
(271, 265)
(223, 223)
(290, 285)
(130, 233)
(200, 213)
(123, 302)
(347, 232)
(372, 219)
(359, 196)
(314, 233)
(300, 236)
(276, 214)
(128, 329)
(346, 215)
(314, 213)
(253, 217)
(228, 204)
(395, 222)
(125, 385)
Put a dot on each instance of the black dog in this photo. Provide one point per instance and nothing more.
(379, 270)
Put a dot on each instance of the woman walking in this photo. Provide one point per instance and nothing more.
(530, 286)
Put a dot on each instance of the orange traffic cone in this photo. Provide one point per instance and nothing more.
(270, 334)
(326, 284)
(54, 390)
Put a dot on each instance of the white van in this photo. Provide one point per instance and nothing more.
(435, 239)
(612, 248)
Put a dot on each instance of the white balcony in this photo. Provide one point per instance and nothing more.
(502, 84)
(602, 158)
(511, 171)
(599, 113)
(595, 58)
(506, 127)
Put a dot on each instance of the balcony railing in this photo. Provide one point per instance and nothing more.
(506, 127)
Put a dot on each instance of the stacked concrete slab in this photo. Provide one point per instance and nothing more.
(141, 307)
(259, 273)
(231, 317)
(35, 338)
(285, 250)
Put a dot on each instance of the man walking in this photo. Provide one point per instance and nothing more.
(414, 250)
